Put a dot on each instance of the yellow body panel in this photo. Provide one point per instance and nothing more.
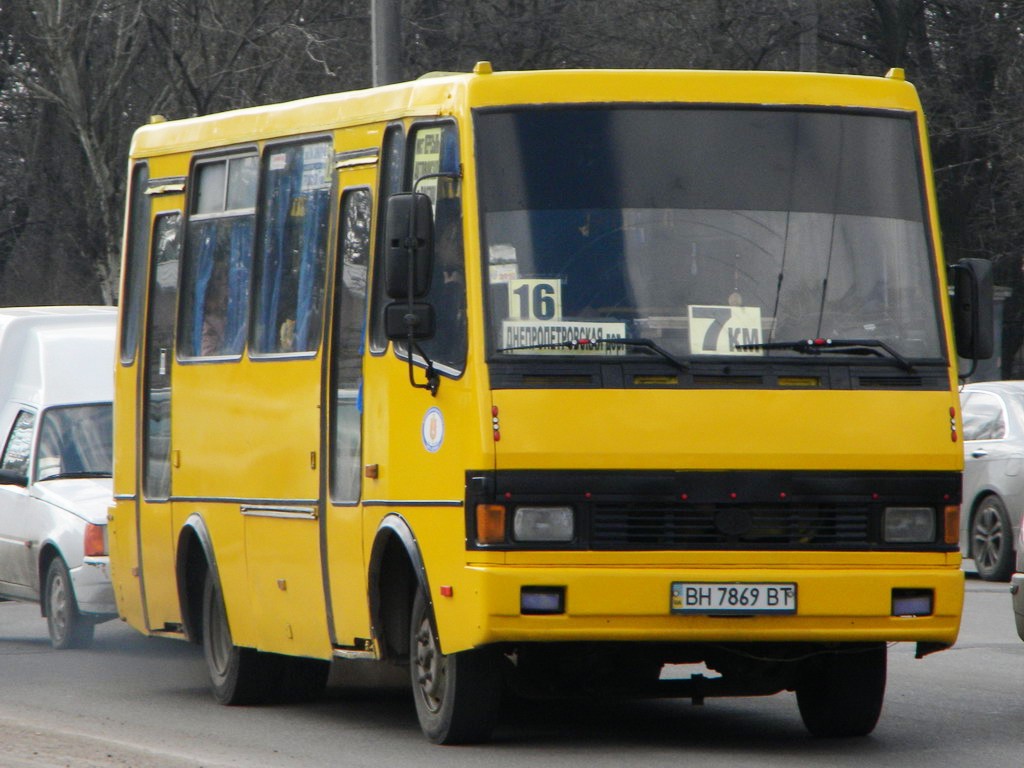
(727, 429)
(278, 398)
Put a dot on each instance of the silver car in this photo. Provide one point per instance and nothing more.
(993, 490)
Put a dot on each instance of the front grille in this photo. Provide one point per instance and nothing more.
(718, 510)
(646, 525)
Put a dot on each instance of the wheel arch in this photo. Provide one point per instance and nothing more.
(47, 554)
(193, 559)
(969, 509)
(396, 570)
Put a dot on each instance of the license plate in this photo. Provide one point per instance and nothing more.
(732, 598)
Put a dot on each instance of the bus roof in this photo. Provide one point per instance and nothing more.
(446, 94)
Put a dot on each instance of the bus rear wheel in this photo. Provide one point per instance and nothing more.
(237, 675)
(841, 692)
(458, 696)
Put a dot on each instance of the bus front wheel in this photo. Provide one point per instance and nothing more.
(458, 695)
(842, 691)
(237, 675)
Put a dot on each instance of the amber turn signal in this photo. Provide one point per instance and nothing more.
(951, 513)
(490, 524)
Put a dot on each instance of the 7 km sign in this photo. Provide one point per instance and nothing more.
(716, 330)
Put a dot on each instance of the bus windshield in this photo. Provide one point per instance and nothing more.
(705, 232)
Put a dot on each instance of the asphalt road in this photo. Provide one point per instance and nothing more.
(139, 702)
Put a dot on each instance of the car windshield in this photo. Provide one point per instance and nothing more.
(706, 231)
(75, 441)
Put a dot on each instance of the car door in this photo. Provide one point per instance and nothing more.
(18, 538)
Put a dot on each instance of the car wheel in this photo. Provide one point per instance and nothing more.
(68, 627)
(992, 540)
(458, 695)
(237, 675)
(841, 692)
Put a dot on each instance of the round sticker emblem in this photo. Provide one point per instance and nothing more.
(433, 430)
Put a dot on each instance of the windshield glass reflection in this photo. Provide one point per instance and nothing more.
(703, 230)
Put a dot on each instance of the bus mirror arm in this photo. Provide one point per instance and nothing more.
(411, 321)
(419, 323)
(433, 381)
(419, 320)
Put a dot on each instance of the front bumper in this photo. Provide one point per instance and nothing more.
(629, 603)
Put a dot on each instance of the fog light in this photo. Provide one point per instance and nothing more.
(539, 524)
(912, 602)
(908, 525)
(542, 600)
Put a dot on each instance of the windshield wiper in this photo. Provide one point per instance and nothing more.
(845, 346)
(648, 344)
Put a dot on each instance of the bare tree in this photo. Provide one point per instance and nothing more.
(77, 77)
(73, 61)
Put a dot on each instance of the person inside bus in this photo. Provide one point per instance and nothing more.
(215, 303)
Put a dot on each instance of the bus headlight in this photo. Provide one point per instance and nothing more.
(908, 525)
(543, 524)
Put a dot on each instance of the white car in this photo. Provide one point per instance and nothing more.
(56, 442)
(993, 490)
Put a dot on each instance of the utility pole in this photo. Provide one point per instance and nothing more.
(386, 41)
(809, 35)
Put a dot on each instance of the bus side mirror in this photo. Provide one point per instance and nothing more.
(409, 248)
(13, 477)
(972, 308)
(405, 320)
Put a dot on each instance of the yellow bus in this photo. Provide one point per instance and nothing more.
(560, 383)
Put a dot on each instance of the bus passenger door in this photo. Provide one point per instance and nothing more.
(342, 533)
(155, 524)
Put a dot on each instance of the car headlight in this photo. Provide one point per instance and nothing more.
(908, 525)
(543, 524)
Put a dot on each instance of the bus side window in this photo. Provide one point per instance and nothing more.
(291, 248)
(346, 356)
(391, 171)
(215, 281)
(137, 242)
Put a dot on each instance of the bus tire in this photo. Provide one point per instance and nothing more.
(237, 675)
(67, 626)
(841, 693)
(458, 696)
